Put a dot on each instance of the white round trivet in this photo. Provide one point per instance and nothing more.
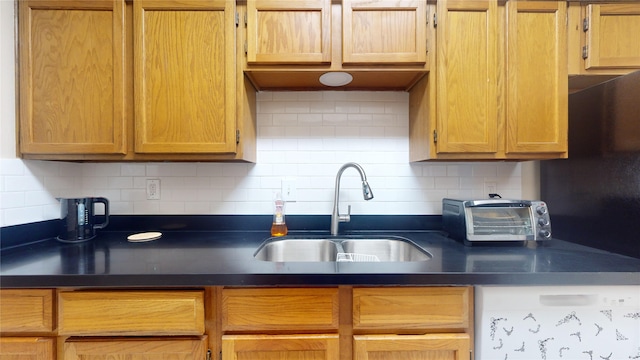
(142, 237)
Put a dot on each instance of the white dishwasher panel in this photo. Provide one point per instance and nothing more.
(558, 323)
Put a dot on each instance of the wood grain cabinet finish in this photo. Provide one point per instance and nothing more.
(429, 346)
(500, 89)
(101, 313)
(277, 347)
(412, 310)
(384, 32)
(188, 348)
(185, 76)
(285, 309)
(72, 77)
(26, 311)
(27, 348)
(612, 36)
(288, 32)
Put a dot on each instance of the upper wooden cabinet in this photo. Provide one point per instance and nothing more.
(142, 80)
(384, 32)
(500, 89)
(185, 77)
(603, 38)
(382, 44)
(288, 32)
(72, 77)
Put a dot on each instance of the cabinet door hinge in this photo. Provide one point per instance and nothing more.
(237, 136)
(585, 52)
(435, 136)
(585, 24)
(237, 19)
(208, 354)
(245, 19)
(245, 48)
(435, 20)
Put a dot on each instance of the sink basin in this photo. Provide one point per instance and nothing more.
(305, 250)
(355, 249)
(386, 249)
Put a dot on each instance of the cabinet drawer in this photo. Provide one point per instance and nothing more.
(26, 311)
(184, 348)
(26, 348)
(131, 312)
(429, 346)
(280, 309)
(277, 347)
(410, 309)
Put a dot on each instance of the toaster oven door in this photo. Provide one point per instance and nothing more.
(494, 223)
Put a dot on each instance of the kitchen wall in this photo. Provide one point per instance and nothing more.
(302, 136)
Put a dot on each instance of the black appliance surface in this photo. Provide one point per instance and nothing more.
(594, 195)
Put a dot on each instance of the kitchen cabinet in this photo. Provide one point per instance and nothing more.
(603, 37)
(347, 322)
(408, 322)
(150, 81)
(148, 348)
(26, 324)
(382, 44)
(72, 84)
(499, 90)
(27, 348)
(429, 346)
(286, 32)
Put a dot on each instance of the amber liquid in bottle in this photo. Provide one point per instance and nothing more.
(279, 226)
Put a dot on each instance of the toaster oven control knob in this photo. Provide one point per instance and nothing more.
(545, 234)
(541, 210)
(543, 221)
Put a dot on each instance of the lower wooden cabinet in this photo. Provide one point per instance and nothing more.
(136, 348)
(429, 346)
(277, 347)
(27, 348)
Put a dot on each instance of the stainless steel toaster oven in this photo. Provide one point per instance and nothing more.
(490, 220)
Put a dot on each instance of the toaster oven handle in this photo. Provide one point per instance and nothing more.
(496, 203)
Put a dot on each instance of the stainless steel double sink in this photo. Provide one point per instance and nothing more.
(341, 248)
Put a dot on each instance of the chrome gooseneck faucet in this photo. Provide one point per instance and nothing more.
(336, 218)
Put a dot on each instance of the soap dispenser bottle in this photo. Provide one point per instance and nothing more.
(279, 226)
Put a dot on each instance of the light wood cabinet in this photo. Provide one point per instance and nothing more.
(101, 313)
(27, 324)
(185, 77)
(287, 32)
(72, 77)
(136, 348)
(26, 310)
(429, 346)
(603, 37)
(273, 310)
(382, 44)
(149, 81)
(499, 90)
(384, 32)
(26, 348)
(276, 347)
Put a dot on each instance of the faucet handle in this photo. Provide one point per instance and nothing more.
(347, 217)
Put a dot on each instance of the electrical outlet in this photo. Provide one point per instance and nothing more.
(153, 189)
(289, 190)
(490, 187)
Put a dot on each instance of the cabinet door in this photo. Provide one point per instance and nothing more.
(185, 76)
(26, 310)
(72, 84)
(278, 347)
(537, 88)
(612, 36)
(130, 348)
(392, 347)
(467, 77)
(288, 32)
(23, 348)
(393, 32)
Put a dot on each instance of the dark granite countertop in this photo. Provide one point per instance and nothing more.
(187, 257)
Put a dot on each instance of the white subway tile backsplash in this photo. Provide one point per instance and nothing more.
(301, 135)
